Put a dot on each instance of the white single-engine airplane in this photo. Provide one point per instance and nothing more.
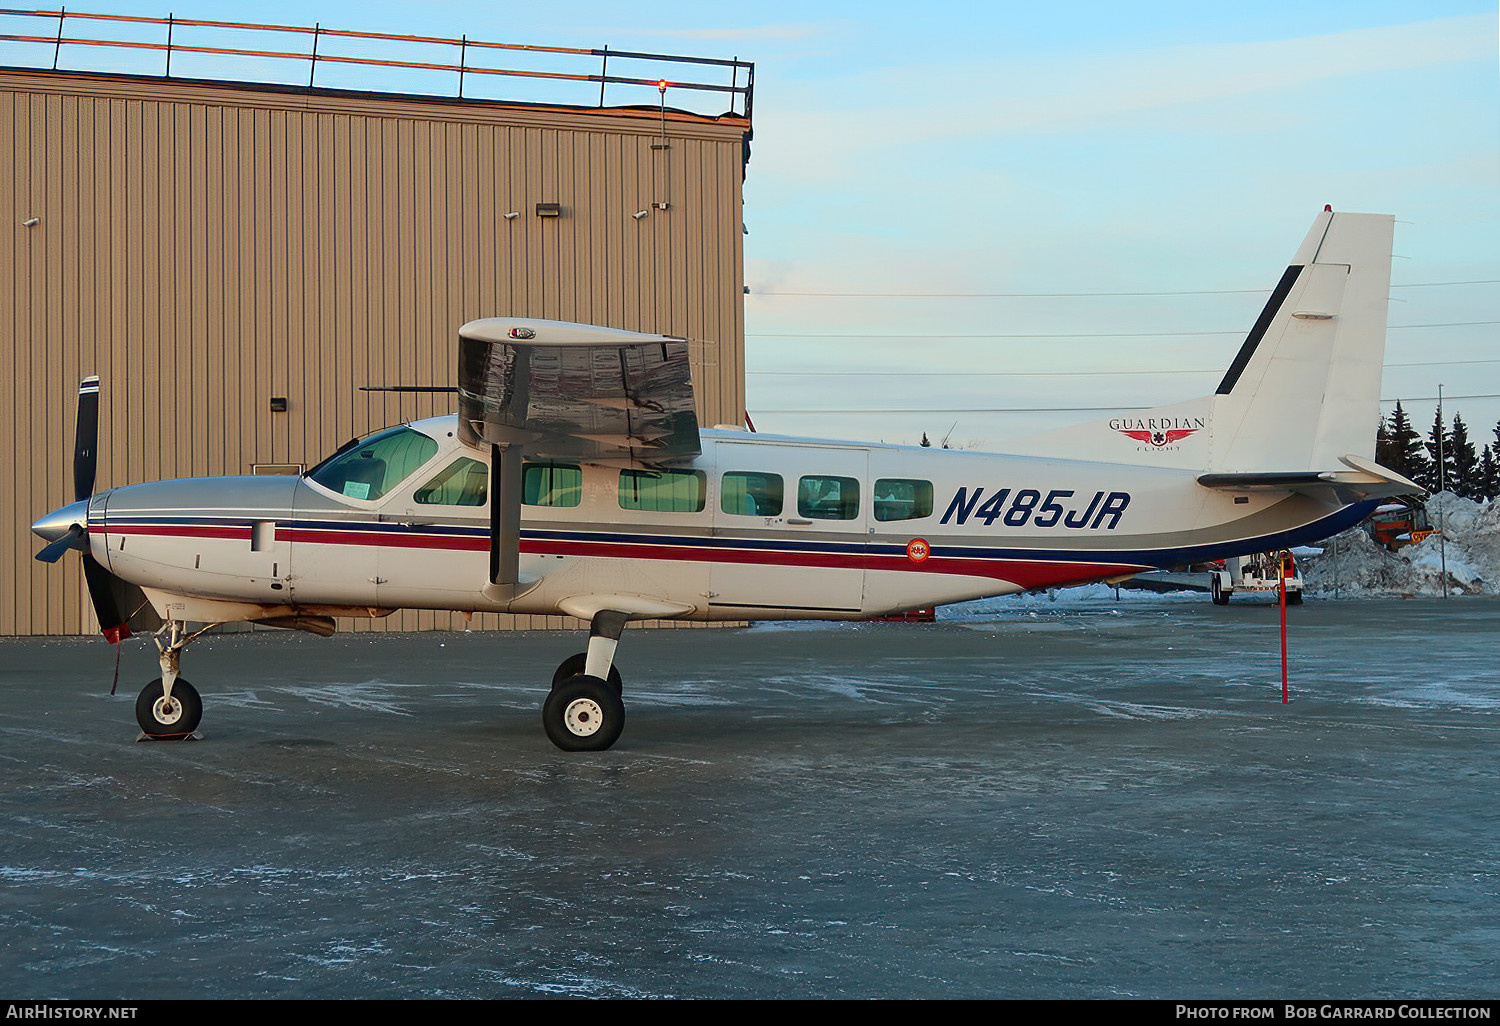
(574, 479)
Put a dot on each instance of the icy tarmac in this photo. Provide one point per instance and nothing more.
(1027, 799)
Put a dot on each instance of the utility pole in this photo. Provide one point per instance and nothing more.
(1442, 538)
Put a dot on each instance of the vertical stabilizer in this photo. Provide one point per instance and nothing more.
(1302, 393)
(1304, 389)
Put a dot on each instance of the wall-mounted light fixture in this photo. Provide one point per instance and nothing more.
(511, 215)
(278, 404)
(31, 222)
(549, 210)
(640, 214)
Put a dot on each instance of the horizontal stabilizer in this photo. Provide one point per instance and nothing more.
(1363, 480)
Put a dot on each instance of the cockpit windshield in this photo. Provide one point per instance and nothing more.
(376, 465)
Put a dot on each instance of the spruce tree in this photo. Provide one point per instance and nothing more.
(1438, 474)
(1384, 452)
(1465, 461)
(1405, 447)
(1489, 474)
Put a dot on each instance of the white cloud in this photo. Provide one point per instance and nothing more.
(815, 136)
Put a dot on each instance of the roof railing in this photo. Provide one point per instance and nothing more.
(739, 90)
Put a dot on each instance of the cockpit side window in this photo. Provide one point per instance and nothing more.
(462, 483)
(375, 466)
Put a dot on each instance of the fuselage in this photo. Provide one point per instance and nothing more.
(757, 526)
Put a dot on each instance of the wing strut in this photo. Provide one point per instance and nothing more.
(505, 582)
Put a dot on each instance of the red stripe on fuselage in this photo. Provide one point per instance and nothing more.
(1025, 573)
(1028, 574)
(173, 531)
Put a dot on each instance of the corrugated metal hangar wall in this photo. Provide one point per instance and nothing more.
(205, 247)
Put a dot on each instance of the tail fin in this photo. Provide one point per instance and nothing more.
(1303, 392)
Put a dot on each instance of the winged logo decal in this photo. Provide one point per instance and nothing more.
(1158, 439)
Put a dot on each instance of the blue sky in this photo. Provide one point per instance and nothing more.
(953, 152)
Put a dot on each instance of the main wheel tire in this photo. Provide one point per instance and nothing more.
(583, 714)
(1294, 598)
(1216, 591)
(160, 719)
(573, 667)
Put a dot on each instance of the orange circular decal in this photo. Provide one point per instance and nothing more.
(917, 550)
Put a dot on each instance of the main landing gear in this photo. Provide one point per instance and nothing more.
(169, 707)
(584, 711)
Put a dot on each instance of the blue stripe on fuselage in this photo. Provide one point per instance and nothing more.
(1318, 529)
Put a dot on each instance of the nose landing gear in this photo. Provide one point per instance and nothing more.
(169, 708)
(163, 715)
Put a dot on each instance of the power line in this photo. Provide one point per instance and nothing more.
(969, 374)
(1436, 284)
(1435, 398)
(1077, 295)
(1005, 295)
(1110, 334)
(1055, 409)
(1043, 374)
(916, 337)
(976, 409)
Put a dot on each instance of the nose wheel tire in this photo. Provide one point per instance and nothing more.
(583, 714)
(162, 717)
(573, 667)
(1216, 591)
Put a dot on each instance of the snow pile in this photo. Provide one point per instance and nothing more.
(1353, 564)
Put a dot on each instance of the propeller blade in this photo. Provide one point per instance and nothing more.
(86, 438)
(52, 552)
(101, 590)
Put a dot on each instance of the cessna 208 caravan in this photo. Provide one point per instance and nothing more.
(575, 479)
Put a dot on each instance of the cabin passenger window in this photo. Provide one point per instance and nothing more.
(749, 494)
(551, 484)
(902, 499)
(663, 491)
(461, 484)
(828, 498)
(376, 465)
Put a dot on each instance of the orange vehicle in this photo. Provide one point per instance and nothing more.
(1398, 524)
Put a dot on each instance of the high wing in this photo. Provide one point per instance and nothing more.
(574, 391)
(557, 390)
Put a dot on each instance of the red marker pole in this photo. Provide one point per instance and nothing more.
(1281, 575)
